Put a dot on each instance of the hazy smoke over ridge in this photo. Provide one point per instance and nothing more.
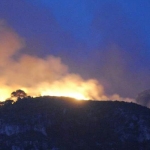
(41, 76)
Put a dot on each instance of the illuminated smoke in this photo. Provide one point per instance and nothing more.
(40, 76)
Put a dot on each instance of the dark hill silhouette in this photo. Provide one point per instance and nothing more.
(59, 123)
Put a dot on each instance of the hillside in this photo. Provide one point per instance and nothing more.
(58, 123)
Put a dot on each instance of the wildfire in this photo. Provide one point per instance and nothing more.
(39, 76)
(69, 86)
(78, 96)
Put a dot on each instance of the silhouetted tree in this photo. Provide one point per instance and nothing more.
(18, 94)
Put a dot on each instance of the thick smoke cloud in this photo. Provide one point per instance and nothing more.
(10, 43)
(40, 76)
(104, 39)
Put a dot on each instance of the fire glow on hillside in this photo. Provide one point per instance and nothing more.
(40, 76)
(70, 86)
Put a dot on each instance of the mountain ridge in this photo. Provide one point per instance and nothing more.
(61, 123)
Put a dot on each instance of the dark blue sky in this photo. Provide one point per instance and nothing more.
(108, 40)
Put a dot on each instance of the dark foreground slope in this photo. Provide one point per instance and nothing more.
(52, 123)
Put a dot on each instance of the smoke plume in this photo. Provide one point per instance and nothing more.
(41, 76)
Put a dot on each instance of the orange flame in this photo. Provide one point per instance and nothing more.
(71, 86)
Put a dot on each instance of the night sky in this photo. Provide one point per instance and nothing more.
(108, 40)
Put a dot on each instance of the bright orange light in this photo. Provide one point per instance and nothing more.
(70, 86)
(78, 96)
(4, 94)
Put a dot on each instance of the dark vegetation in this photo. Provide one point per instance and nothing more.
(60, 123)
